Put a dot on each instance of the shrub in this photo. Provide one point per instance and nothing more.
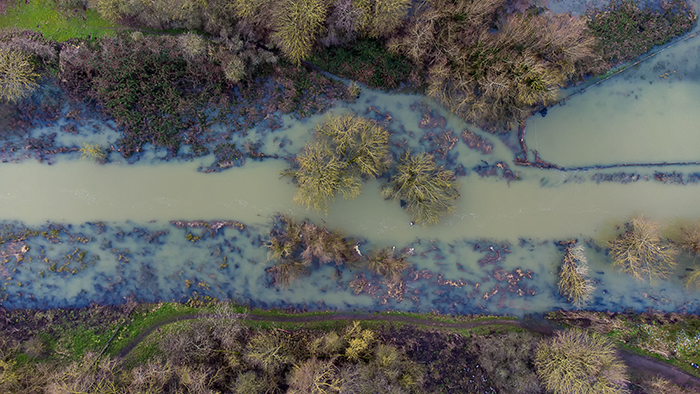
(345, 149)
(235, 70)
(17, 76)
(90, 375)
(573, 281)
(509, 360)
(385, 16)
(353, 91)
(111, 10)
(328, 345)
(250, 383)
(640, 252)
(660, 385)
(428, 191)
(193, 46)
(298, 25)
(360, 341)
(576, 362)
(625, 31)
(192, 345)
(689, 237)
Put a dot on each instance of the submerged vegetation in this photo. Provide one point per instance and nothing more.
(641, 252)
(297, 246)
(386, 263)
(93, 152)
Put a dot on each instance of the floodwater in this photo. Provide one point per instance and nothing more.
(647, 114)
(498, 253)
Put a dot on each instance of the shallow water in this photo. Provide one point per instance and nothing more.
(118, 214)
(646, 114)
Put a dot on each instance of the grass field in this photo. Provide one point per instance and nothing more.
(55, 23)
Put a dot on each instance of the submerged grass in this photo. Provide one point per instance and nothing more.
(55, 23)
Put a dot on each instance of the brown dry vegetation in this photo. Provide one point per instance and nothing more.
(386, 263)
(509, 359)
(492, 69)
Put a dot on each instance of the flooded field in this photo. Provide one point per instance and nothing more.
(77, 232)
(647, 114)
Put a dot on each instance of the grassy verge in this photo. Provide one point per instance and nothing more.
(147, 316)
(53, 22)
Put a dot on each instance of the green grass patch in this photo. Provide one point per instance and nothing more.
(369, 62)
(54, 23)
(145, 317)
(625, 31)
(81, 340)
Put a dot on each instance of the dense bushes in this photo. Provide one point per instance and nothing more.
(295, 246)
(158, 88)
(151, 91)
(295, 26)
(489, 68)
(369, 62)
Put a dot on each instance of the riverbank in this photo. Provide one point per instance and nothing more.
(133, 332)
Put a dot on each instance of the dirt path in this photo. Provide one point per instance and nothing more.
(642, 365)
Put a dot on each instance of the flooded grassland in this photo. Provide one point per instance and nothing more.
(76, 232)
